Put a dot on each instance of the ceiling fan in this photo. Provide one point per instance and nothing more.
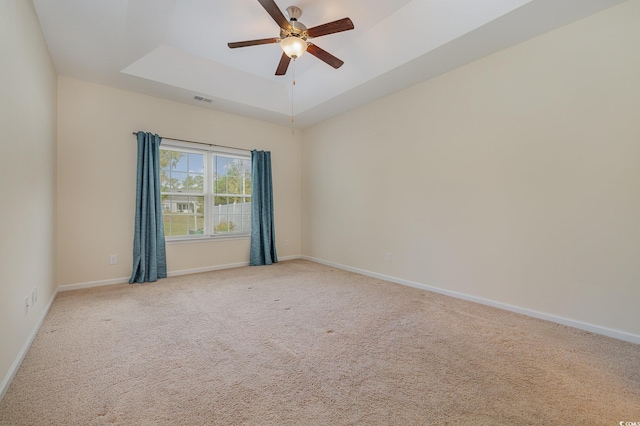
(294, 36)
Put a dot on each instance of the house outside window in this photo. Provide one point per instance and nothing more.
(205, 192)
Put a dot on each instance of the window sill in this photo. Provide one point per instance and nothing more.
(207, 239)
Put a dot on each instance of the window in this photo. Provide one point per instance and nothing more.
(232, 195)
(204, 192)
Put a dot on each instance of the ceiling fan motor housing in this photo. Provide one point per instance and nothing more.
(297, 29)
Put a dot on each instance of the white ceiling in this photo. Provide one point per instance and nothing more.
(176, 49)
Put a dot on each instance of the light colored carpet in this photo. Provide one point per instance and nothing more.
(302, 343)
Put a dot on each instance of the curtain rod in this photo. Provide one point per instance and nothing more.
(201, 143)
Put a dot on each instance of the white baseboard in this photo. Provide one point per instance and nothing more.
(8, 378)
(89, 284)
(219, 267)
(124, 280)
(285, 258)
(605, 331)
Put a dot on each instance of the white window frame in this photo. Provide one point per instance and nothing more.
(208, 152)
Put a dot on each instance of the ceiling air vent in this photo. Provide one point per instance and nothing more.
(202, 99)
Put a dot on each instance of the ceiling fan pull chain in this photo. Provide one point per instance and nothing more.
(293, 87)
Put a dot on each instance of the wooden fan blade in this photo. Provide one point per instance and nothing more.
(340, 25)
(283, 65)
(252, 42)
(272, 9)
(325, 56)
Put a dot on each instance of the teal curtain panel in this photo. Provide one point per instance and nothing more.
(263, 237)
(149, 252)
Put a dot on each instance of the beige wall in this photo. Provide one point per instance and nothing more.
(97, 173)
(515, 178)
(27, 179)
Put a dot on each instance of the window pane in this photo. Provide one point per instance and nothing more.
(223, 226)
(181, 165)
(246, 206)
(220, 201)
(220, 213)
(235, 223)
(180, 224)
(183, 215)
(200, 224)
(174, 224)
(246, 223)
(234, 206)
(196, 163)
(178, 181)
(169, 159)
(194, 183)
(220, 185)
(221, 166)
(196, 215)
(233, 183)
(220, 223)
(166, 218)
(164, 181)
(247, 182)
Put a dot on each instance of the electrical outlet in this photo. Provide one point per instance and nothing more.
(35, 294)
(33, 297)
(388, 257)
(26, 305)
(286, 243)
(113, 259)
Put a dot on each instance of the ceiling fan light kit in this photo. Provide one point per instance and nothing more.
(294, 36)
(293, 46)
